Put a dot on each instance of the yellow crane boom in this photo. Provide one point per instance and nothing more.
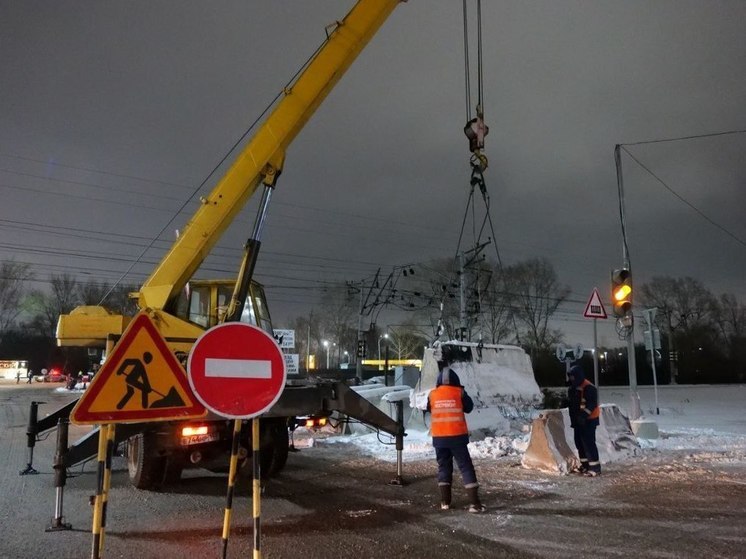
(261, 160)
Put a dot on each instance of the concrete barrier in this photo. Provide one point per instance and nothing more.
(551, 447)
(645, 429)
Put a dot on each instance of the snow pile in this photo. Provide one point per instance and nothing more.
(418, 445)
(706, 423)
(491, 374)
(499, 378)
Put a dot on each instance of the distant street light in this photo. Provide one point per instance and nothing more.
(386, 337)
(326, 346)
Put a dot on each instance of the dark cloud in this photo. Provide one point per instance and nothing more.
(113, 114)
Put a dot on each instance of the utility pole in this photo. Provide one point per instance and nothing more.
(308, 344)
(360, 340)
(360, 343)
(462, 299)
(463, 266)
(628, 323)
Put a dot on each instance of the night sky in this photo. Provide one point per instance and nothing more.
(113, 113)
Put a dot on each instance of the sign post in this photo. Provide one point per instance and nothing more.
(595, 309)
(238, 371)
(652, 346)
(140, 381)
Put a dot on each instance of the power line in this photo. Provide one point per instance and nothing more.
(683, 138)
(685, 201)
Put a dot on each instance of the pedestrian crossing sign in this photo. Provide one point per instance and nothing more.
(140, 381)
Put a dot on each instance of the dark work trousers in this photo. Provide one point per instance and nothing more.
(445, 457)
(585, 442)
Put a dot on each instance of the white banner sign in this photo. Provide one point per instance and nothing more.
(292, 363)
(286, 338)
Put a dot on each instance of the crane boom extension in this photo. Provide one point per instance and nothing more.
(261, 160)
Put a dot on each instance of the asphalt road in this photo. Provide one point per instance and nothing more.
(332, 502)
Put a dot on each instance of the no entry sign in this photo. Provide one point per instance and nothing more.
(236, 370)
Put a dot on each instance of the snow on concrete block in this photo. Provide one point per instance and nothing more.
(548, 449)
(491, 373)
(614, 435)
(551, 447)
(645, 429)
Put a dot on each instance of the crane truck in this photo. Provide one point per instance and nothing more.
(182, 308)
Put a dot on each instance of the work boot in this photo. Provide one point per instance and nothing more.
(475, 505)
(445, 497)
(580, 470)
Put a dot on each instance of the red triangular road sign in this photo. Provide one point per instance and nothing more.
(140, 381)
(595, 308)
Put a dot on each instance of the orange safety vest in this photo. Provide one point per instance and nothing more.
(595, 414)
(447, 411)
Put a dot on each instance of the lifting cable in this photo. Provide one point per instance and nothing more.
(475, 130)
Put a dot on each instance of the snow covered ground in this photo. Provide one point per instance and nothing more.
(702, 418)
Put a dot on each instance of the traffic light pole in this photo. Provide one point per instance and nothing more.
(623, 279)
(635, 411)
(621, 292)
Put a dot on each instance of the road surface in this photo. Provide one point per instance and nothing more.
(333, 502)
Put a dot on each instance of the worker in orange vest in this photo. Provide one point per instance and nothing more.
(584, 418)
(447, 404)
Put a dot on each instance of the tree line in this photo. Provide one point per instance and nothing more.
(28, 316)
(702, 333)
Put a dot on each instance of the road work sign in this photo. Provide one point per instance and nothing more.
(140, 381)
(595, 308)
(236, 370)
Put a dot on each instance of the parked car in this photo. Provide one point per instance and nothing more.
(54, 376)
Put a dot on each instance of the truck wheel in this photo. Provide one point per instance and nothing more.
(146, 468)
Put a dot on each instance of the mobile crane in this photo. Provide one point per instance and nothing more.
(159, 451)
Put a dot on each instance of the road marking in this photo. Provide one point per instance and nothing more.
(238, 368)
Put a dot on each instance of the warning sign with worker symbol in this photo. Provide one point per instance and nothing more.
(140, 381)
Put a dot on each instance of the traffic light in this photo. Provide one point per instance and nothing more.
(621, 292)
(362, 349)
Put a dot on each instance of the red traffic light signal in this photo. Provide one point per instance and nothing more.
(621, 292)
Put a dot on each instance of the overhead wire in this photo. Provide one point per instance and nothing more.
(225, 157)
(702, 214)
(477, 160)
(467, 65)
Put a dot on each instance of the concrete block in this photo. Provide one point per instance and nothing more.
(644, 428)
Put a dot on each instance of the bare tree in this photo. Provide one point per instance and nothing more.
(13, 278)
(406, 341)
(337, 320)
(684, 304)
(63, 297)
(92, 292)
(730, 316)
(536, 294)
(119, 300)
(497, 320)
(307, 335)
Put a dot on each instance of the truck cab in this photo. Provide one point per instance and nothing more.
(205, 302)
